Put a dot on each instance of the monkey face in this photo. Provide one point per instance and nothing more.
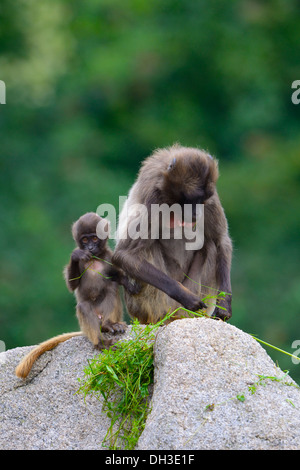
(90, 233)
(91, 243)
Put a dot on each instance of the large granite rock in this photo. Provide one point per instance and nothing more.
(44, 411)
(201, 400)
(201, 367)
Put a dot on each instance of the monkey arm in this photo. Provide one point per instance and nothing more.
(72, 275)
(223, 265)
(73, 270)
(144, 271)
(218, 247)
(115, 274)
(223, 246)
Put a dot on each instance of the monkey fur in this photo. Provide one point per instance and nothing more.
(170, 275)
(93, 278)
(95, 283)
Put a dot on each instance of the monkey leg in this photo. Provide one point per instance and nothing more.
(215, 278)
(223, 265)
(91, 325)
(111, 312)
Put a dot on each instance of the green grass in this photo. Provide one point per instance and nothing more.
(122, 376)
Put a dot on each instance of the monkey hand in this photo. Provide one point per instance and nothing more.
(80, 255)
(132, 286)
(223, 309)
(193, 302)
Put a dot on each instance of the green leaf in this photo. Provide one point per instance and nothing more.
(241, 397)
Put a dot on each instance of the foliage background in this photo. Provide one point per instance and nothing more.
(93, 87)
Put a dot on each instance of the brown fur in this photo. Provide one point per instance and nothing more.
(99, 307)
(27, 362)
(177, 175)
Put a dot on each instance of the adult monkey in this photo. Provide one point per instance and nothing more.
(170, 274)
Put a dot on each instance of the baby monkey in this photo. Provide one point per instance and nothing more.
(94, 280)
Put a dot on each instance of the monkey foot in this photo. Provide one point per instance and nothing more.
(119, 328)
(104, 344)
(114, 328)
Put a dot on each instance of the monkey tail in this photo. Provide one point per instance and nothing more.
(23, 369)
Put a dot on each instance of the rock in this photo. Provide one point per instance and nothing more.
(44, 411)
(201, 366)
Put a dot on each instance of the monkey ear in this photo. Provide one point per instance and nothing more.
(74, 230)
(172, 164)
(214, 170)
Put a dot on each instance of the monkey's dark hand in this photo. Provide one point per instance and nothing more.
(192, 302)
(132, 286)
(224, 313)
(80, 255)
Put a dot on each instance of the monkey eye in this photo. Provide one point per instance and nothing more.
(95, 239)
(84, 240)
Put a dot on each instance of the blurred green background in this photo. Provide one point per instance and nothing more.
(94, 87)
